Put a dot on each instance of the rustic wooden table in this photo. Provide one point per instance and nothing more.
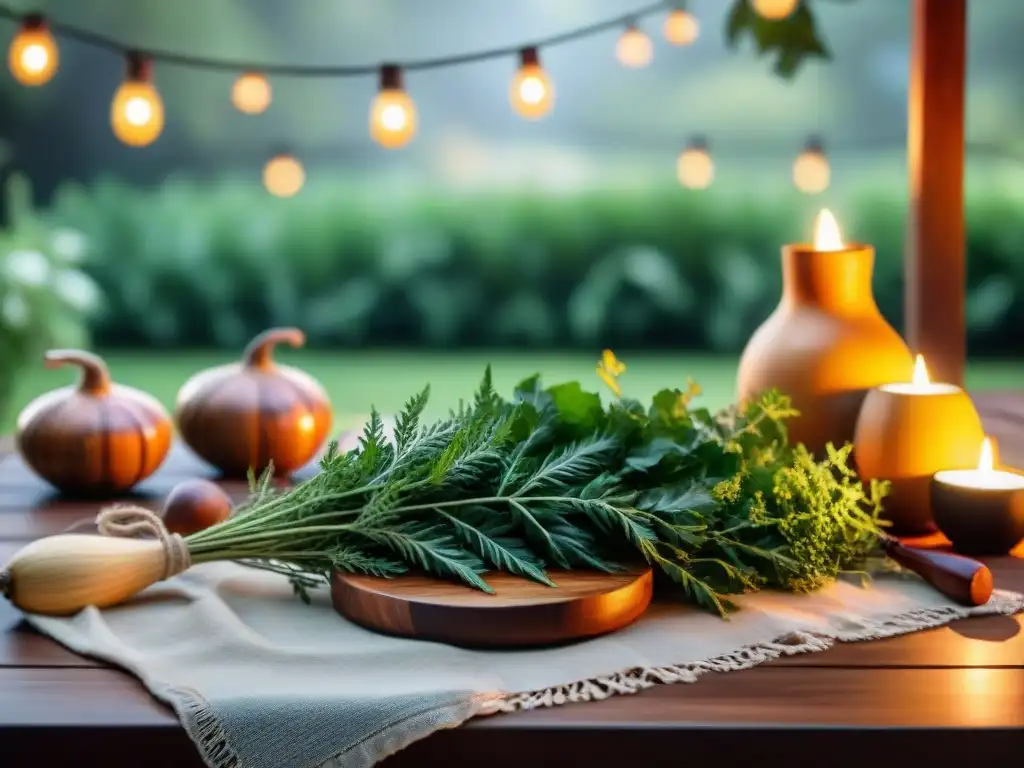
(950, 695)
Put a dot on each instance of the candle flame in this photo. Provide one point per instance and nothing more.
(985, 461)
(921, 372)
(826, 232)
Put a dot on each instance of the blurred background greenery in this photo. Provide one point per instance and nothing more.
(532, 245)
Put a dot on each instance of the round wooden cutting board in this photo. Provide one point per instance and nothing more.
(521, 614)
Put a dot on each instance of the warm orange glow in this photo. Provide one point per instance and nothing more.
(695, 169)
(532, 93)
(307, 423)
(681, 28)
(811, 172)
(251, 93)
(921, 378)
(985, 476)
(634, 49)
(774, 10)
(283, 176)
(33, 56)
(826, 232)
(986, 462)
(137, 113)
(393, 119)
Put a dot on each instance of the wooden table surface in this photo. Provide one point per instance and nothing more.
(949, 695)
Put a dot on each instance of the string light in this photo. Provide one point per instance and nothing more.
(532, 93)
(137, 113)
(251, 93)
(283, 175)
(33, 57)
(393, 120)
(695, 168)
(681, 28)
(811, 171)
(634, 49)
(774, 10)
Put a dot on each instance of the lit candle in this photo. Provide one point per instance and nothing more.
(985, 476)
(826, 232)
(981, 510)
(921, 384)
(908, 431)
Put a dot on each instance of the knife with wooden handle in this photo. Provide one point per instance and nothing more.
(962, 579)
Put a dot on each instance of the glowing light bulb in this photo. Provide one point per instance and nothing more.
(251, 93)
(826, 232)
(393, 120)
(681, 28)
(811, 171)
(694, 168)
(283, 175)
(531, 93)
(137, 113)
(634, 49)
(774, 10)
(33, 56)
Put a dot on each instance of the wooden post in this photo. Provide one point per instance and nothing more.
(934, 264)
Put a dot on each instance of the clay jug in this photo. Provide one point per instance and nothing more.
(826, 344)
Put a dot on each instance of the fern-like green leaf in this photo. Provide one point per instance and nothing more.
(435, 554)
(504, 554)
(408, 420)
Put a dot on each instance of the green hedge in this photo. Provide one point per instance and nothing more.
(200, 265)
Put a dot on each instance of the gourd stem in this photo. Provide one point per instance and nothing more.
(260, 351)
(95, 374)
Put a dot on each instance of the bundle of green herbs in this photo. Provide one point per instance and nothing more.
(553, 478)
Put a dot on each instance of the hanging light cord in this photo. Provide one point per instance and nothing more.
(359, 70)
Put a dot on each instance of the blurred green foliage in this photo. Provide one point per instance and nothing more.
(189, 265)
(45, 299)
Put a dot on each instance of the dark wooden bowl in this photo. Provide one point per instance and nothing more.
(978, 522)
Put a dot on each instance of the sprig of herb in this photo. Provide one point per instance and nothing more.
(554, 478)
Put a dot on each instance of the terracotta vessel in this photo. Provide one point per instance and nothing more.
(95, 438)
(255, 413)
(905, 434)
(826, 344)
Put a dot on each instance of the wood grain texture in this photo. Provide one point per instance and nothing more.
(520, 614)
(934, 264)
(778, 716)
(991, 641)
(856, 702)
(30, 508)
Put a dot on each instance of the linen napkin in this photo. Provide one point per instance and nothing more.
(261, 680)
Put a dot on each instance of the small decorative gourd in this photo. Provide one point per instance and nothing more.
(194, 505)
(96, 437)
(256, 412)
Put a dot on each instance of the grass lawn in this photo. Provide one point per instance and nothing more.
(357, 380)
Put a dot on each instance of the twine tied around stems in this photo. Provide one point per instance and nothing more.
(128, 520)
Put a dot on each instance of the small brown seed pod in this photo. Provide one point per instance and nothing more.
(194, 505)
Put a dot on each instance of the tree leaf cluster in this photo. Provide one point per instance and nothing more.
(553, 478)
(791, 41)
